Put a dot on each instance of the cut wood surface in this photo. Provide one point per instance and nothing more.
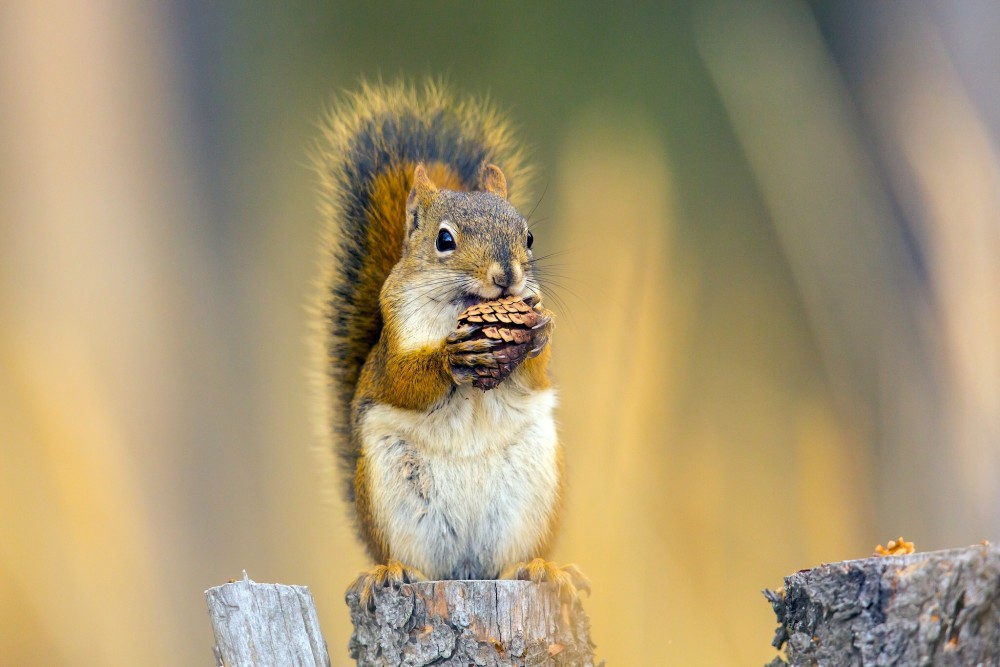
(934, 608)
(452, 623)
(265, 625)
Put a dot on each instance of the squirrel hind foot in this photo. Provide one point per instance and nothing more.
(391, 575)
(569, 580)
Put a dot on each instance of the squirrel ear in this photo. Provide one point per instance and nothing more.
(421, 195)
(491, 179)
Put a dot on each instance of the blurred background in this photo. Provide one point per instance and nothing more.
(778, 227)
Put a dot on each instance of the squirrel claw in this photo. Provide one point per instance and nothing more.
(568, 579)
(391, 575)
(462, 333)
(475, 360)
(468, 346)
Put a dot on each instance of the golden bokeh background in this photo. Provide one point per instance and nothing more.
(776, 229)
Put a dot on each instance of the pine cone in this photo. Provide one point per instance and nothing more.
(510, 322)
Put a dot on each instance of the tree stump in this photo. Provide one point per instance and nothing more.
(460, 623)
(935, 608)
(265, 625)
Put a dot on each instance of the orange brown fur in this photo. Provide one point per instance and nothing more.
(373, 538)
(386, 230)
(413, 380)
(534, 373)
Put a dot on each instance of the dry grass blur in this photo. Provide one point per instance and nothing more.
(779, 301)
(675, 502)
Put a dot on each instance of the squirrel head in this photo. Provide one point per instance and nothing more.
(468, 246)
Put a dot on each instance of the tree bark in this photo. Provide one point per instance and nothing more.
(936, 608)
(452, 623)
(265, 625)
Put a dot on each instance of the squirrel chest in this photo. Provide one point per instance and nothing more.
(468, 486)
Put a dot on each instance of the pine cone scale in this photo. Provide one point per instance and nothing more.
(509, 322)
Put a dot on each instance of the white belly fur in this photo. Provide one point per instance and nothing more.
(466, 489)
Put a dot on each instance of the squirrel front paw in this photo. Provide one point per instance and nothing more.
(468, 356)
(391, 575)
(568, 579)
(541, 332)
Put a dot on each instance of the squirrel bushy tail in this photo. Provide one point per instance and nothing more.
(371, 141)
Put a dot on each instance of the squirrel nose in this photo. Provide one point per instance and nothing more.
(499, 275)
(505, 277)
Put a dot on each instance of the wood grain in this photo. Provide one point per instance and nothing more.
(265, 625)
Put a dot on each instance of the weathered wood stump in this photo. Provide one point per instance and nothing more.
(496, 623)
(935, 608)
(265, 625)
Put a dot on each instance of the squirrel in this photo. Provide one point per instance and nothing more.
(447, 480)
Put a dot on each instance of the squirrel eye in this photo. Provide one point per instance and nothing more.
(445, 241)
(531, 239)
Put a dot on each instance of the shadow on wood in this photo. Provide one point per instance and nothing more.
(935, 608)
(470, 622)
